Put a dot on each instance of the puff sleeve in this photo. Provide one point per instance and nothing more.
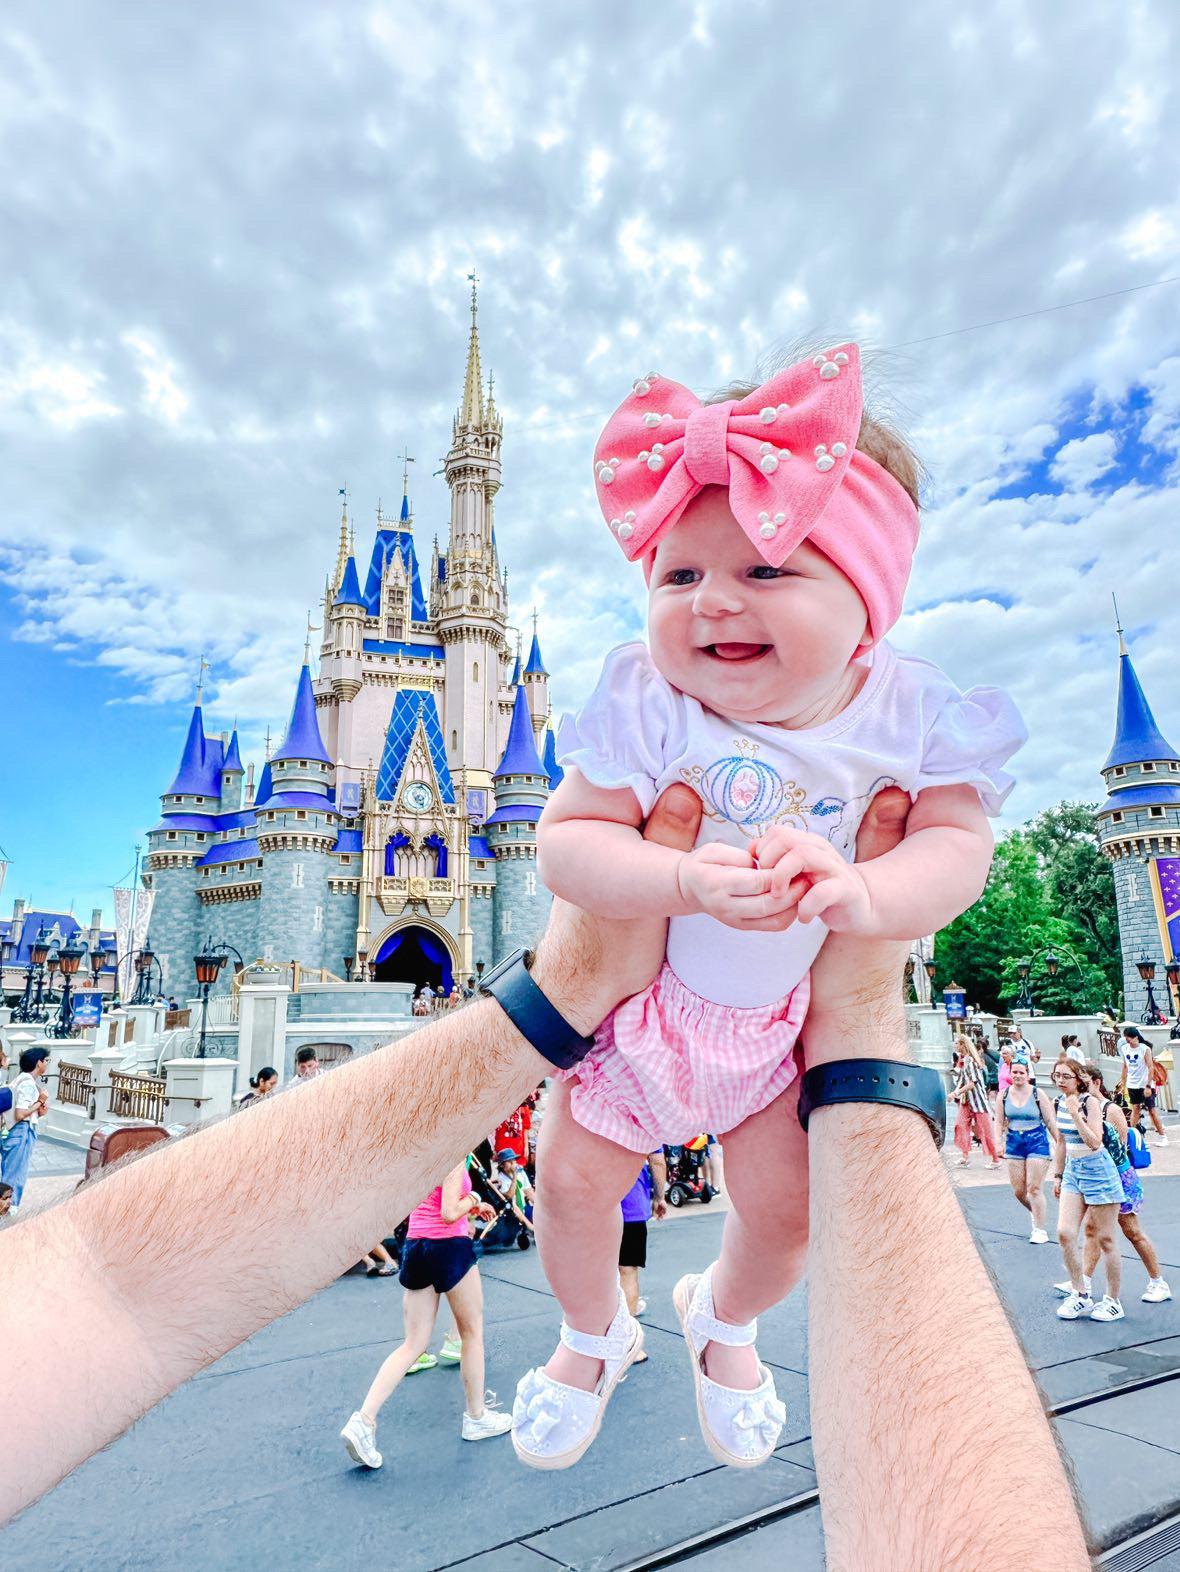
(629, 728)
(972, 736)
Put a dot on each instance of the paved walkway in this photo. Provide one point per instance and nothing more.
(242, 1467)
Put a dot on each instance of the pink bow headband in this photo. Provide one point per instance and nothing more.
(786, 454)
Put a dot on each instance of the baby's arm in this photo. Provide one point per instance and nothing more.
(590, 852)
(936, 873)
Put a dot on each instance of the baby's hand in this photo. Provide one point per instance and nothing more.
(723, 881)
(808, 869)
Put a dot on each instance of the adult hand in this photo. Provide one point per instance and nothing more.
(591, 963)
(853, 977)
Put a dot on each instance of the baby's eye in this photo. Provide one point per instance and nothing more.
(681, 576)
(763, 570)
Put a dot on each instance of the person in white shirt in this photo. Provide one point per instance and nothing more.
(29, 1102)
(1137, 1077)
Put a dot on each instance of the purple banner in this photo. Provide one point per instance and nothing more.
(1167, 872)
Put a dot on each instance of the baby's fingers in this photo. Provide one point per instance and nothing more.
(818, 899)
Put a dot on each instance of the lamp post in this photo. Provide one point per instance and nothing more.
(1153, 1015)
(39, 955)
(144, 961)
(69, 958)
(26, 1009)
(208, 968)
(361, 957)
(1024, 968)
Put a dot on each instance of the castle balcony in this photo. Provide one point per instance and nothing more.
(394, 892)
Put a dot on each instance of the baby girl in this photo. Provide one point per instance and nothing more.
(776, 531)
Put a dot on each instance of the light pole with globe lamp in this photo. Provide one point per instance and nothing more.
(1153, 1015)
(1024, 1000)
(27, 1010)
(69, 958)
(144, 961)
(208, 968)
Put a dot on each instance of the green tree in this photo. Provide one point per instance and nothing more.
(1049, 888)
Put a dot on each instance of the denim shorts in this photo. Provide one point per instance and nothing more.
(1094, 1177)
(1021, 1144)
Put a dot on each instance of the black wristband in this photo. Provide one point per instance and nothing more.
(535, 1017)
(892, 1081)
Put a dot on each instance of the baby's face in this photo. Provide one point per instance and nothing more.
(745, 639)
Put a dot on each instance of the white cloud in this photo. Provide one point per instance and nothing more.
(1084, 460)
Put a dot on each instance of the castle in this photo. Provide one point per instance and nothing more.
(1139, 830)
(393, 831)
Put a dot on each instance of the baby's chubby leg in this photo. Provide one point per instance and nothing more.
(764, 1248)
(581, 1178)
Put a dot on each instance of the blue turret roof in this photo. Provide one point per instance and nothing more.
(350, 587)
(535, 664)
(516, 672)
(303, 740)
(233, 759)
(405, 507)
(263, 794)
(192, 778)
(556, 773)
(410, 706)
(520, 756)
(1137, 738)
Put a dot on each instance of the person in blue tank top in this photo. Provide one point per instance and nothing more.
(1024, 1126)
(1090, 1190)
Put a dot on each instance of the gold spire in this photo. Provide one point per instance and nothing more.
(1118, 625)
(342, 552)
(202, 669)
(471, 412)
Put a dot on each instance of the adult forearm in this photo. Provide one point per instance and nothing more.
(609, 870)
(902, 1315)
(146, 1277)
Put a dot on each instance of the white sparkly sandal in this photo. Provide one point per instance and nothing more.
(739, 1428)
(554, 1424)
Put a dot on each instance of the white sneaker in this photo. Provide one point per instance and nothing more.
(1161, 1140)
(1109, 1310)
(360, 1441)
(1156, 1292)
(490, 1423)
(1076, 1306)
(740, 1428)
(640, 1307)
(1039, 1236)
(1066, 1288)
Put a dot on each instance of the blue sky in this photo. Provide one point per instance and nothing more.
(212, 322)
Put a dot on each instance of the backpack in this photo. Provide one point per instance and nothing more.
(1137, 1149)
(1111, 1139)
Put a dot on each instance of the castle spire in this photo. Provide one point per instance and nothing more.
(471, 412)
(1137, 738)
(342, 550)
(407, 459)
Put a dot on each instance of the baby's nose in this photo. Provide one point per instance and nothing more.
(717, 600)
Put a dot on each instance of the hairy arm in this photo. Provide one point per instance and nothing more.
(939, 869)
(882, 1357)
(150, 1274)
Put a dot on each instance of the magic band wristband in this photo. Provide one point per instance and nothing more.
(535, 1017)
(890, 1081)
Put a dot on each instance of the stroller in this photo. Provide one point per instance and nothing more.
(505, 1229)
(686, 1175)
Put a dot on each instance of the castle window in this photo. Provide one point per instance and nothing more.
(301, 813)
(475, 671)
(241, 867)
(1155, 813)
(1120, 769)
(1149, 769)
(1117, 816)
(171, 835)
(454, 741)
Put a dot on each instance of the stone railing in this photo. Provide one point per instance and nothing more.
(137, 1097)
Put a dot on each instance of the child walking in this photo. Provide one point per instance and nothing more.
(775, 529)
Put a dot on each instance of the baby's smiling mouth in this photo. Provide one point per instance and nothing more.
(737, 652)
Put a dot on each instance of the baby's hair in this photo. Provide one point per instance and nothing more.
(880, 423)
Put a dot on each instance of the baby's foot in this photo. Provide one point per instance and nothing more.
(736, 1368)
(575, 1370)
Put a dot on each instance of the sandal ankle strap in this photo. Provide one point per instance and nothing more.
(706, 1326)
(609, 1346)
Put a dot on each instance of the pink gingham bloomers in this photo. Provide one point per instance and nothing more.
(668, 1065)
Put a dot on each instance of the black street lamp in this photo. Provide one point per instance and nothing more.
(144, 961)
(69, 958)
(26, 1009)
(1153, 1015)
(208, 967)
(1173, 973)
(1024, 999)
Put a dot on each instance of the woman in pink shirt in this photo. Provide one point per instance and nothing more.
(438, 1259)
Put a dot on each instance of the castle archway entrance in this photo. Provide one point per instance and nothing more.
(417, 955)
